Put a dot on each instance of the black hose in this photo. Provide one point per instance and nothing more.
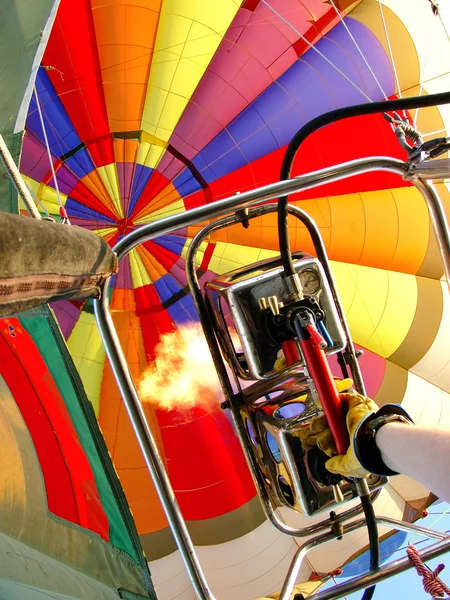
(374, 543)
(326, 119)
(284, 242)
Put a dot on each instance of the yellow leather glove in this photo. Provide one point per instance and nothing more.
(318, 433)
(357, 407)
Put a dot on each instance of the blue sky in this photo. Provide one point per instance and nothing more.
(409, 584)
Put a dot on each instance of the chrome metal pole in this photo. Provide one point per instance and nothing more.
(301, 553)
(412, 528)
(367, 579)
(438, 220)
(291, 186)
(393, 568)
(262, 194)
(149, 447)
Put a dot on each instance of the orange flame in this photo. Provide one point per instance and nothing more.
(183, 374)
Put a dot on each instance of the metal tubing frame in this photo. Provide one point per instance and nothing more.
(367, 579)
(234, 400)
(372, 577)
(123, 376)
(322, 255)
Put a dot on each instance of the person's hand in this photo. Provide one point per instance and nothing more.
(318, 433)
(357, 408)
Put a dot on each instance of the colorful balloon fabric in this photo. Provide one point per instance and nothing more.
(153, 107)
(65, 527)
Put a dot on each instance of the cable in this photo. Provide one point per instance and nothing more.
(62, 210)
(313, 48)
(17, 179)
(344, 24)
(47, 145)
(374, 543)
(288, 265)
(326, 119)
(388, 42)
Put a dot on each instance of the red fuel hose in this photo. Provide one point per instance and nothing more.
(320, 372)
(290, 352)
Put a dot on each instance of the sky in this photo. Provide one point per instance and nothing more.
(409, 584)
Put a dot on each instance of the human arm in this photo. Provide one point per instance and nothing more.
(423, 453)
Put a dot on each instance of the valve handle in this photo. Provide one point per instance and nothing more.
(320, 372)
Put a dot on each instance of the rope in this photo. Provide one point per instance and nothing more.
(17, 179)
(443, 26)
(388, 41)
(422, 79)
(338, 12)
(438, 131)
(430, 579)
(332, 575)
(434, 7)
(308, 43)
(62, 211)
(405, 133)
(51, 68)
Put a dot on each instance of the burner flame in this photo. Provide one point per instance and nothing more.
(183, 374)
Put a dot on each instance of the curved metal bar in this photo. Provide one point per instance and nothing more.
(259, 195)
(323, 257)
(367, 579)
(149, 448)
(412, 528)
(297, 184)
(301, 553)
(172, 223)
(438, 220)
(389, 570)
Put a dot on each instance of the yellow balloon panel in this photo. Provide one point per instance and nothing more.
(382, 17)
(188, 36)
(227, 257)
(435, 365)
(150, 150)
(47, 196)
(380, 305)
(200, 253)
(139, 274)
(88, 354)
(108, 173)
